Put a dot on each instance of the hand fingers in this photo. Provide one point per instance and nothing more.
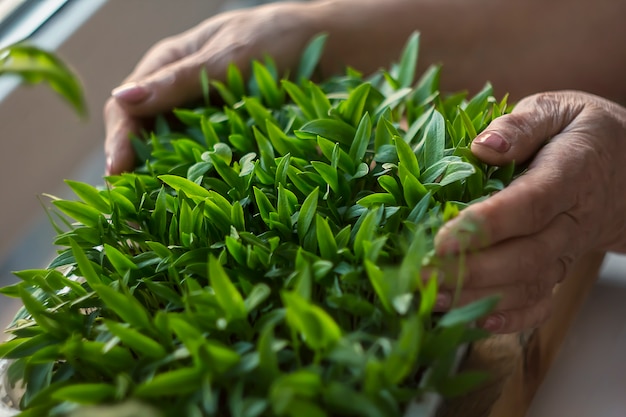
(175, 48)
(170, 75)
(529, 203)
(526, 206)
(523, 271)
(519, 260)
(155, 65)
(519, 135)
(172, 86)
(518, 295)
(118, 150)
(510, 321)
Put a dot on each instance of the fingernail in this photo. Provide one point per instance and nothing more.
(443, 301)
(493, 141)
(494, 323)
(131, 93)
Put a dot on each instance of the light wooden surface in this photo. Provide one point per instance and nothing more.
(518, 363)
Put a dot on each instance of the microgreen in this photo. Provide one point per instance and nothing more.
(265, 258)
(34, 65)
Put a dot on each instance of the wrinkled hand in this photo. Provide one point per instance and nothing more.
(570, 201)
(169, 73)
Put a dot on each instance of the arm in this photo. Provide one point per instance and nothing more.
(522, 47)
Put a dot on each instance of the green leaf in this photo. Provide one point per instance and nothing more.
(80, 211)
(414, 190)
(331, 129)
(173, 383)
(40, 314)
(348, 401)
(337, 156)
(390, 184)
(264, 204)
(285, 209)
(392, 101)
(406, 157)
(87, 269)
(24, 347)
(328, 173)
(302, 383)
(380, 284)
(401, 361)
(456, 171)
(317, 327)
(310, 57)
(366, 231)
(428, 297)
(469, 313)
(260, 292)
(376, 199)
(120, 262)
(467, 123)
(204, 85)
(34, 65)
(191, 189)
(267, 85)
(268, 361)
(136, 341)
(235, 81)
(225, 93)
(479, 102)
(307, 213)
(236, 250)
(90, 195)
(435, 140)
(361, 139)
(282, 169)
(226, 293)
(259, 113)
(320, 101)
(427, 85)
(300, 98)
(125, 306)
(408, 61)
(325, 238)
(353, 108)
(279, 139)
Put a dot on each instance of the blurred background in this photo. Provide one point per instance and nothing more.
(43, 142)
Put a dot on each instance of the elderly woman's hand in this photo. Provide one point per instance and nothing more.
(169, 74)
(571, 200)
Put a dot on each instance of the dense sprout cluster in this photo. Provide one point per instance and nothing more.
(265, 258)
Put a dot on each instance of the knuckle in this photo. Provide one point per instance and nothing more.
(541, 314)
(515, 125)
(111, 108)
(164, 46)
(565, 263)
(528, 266)
(532, 293)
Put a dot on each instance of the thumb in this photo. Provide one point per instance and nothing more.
(519, 135)
(174, 85)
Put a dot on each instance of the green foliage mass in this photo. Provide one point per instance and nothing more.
(265, 258)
